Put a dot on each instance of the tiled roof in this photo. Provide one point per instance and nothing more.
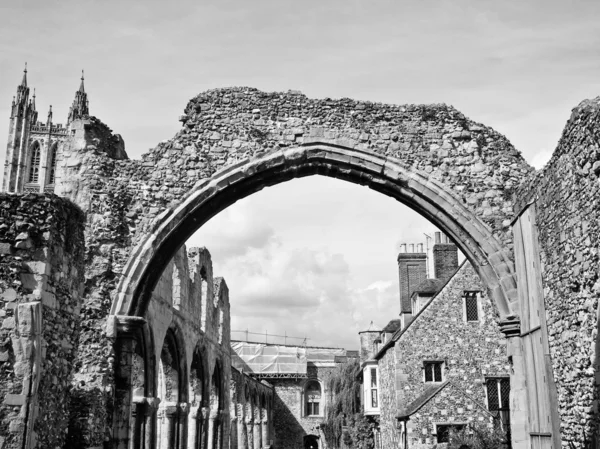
(421, 400)
(392, 326)
(429, 286)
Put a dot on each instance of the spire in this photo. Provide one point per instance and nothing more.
(24, 81)
(81, 89)
(49, 115)
(33, 99)
(80, 107)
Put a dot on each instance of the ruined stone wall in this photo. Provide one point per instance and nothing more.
(566, 193)
(248, 394)
(41, 280)
(471, 351)
(221, 127)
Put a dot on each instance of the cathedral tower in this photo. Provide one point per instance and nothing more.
(22, 115)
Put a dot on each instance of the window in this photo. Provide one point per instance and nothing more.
(443, 431)
(52, 176)
(34, 167)
(313, 398)
(498, 396)
(472, 306)
(374, 396)
(433, 371)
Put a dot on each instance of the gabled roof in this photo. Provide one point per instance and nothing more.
(392, 326)
(401, 331)
(421, 400)
(430, 286)
(430, 392)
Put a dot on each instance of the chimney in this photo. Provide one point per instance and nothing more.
(412, 270)
(445, 257)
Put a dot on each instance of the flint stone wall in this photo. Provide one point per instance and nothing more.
(221, 127)
(41, 281)
(567, 195)
(472, 351)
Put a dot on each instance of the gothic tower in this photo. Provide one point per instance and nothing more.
(35, 148)
(22, 115)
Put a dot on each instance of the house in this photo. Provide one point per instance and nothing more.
(446, 365)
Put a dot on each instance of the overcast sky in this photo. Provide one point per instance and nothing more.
(316, 256)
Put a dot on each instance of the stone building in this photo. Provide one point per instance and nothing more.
(299, 376)
(36, 149)
(78, 270)
(446, 366)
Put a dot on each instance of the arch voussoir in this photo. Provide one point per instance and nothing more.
(424, 194)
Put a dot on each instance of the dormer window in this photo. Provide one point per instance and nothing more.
(433, 371)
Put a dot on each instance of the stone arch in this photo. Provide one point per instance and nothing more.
(171, 383)
(432, 199)
(197, 398)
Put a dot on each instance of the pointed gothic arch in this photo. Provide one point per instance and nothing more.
(429, 197)
(52, 161)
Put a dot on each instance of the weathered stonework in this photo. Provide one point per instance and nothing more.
(471, 351)
(462, 176)
(566, 193)
(41, 281)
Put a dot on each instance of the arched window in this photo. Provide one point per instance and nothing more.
(52, 164)
(34, 164)
(312, 396)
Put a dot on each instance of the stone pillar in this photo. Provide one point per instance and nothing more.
(233, 432)
(150, 422)
(519, 410)
(183, 411)
(265, 432)
(193, 434)
(241, 429)
(211, 442)
(257, 434)
(249, 434)
(168, 416)
(128, 332)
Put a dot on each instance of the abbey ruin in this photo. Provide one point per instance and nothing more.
(114, 335)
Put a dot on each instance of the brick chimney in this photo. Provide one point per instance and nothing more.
(445, 257)
(412, 270)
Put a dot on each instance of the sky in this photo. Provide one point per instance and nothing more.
(320, 251)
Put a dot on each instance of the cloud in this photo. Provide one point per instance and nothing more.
(232, 233)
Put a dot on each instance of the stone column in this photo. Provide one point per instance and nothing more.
(183, 410)
(193, 434)
(249, 437)
(242, 443)
(211, 442)
(233, 432)
(519, 410)
(257, 434)
(128, 332)
(265, 431)
(150, 422)
(168, 416)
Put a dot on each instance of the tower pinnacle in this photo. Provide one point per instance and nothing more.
(81, 89)
(80, 108)
(24, 81)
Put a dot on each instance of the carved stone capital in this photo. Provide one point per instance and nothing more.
(168, 409)
(184, 408)
(510, 327)
(128, 327)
